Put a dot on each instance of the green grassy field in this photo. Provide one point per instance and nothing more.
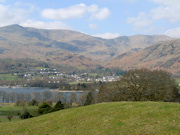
(81, 82)
(9, 77)
(92, 74)
(6, 109)
(101, 119)
(38, 68)
(80, 68)
(5, 119)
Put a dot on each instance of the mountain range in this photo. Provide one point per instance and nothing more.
(165, 55)
(78, 49)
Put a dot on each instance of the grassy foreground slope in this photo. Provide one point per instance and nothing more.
(105, 118)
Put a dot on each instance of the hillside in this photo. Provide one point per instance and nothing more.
(105, 118)
(19, 42)
(165, 55)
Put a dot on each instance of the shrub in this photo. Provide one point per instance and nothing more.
(20, 103)
(58, 106)
(33, 102)
(89, 99)
(44, 108)
(49, 102)
(9, 117)
(24, 114)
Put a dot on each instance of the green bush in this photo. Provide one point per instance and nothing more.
(44, 108)
(58, 106)
(20, 103)
(24, 114)
(33, 102)
(89, 99)
(49, 102)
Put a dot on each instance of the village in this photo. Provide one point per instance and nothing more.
(54, 76)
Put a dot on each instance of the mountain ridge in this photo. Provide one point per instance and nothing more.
(70, 47)
(76, 42)
(165, 55)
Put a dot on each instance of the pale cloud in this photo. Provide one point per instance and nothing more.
(141, 21)
(127, 1)
(76, 11)
(16, 15)
(93, 8)
(167, 2)
(10, 15)
(101, 14)
(130, 1)
(46, 25)
(175, 32)
(30, 8)
(97, 13)
(2, 0)
(107, 35)
(20, 14)
(168, 10)
(93, 26)
(169, 13)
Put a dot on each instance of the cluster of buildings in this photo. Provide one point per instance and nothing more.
(55, 75)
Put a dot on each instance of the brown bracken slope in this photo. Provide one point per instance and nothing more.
(165, 55)
(18, 41)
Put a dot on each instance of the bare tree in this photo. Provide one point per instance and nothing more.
(22, 97)
(7, 97)
(3, 96)
(12, 96)
(83, 98)
(19, 96)
(73, 98)
(47, 95)
(65, 98)
(58, 96)
(27, 97)
(37, 96)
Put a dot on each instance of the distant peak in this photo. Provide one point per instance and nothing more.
(14, 25)
(12, 28)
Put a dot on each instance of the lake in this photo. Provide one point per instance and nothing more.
(30, 90)
(25, 90)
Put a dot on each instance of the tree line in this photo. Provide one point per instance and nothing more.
(141, 85)
(68, 100)
(47, 104)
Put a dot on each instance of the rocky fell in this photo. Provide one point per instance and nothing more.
(15, 37)
(77, 49)
(165, 55)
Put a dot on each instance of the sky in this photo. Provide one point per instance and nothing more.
(102, 18)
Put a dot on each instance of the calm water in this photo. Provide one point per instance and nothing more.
(30, 90)
(25, 90)
(35, 89)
